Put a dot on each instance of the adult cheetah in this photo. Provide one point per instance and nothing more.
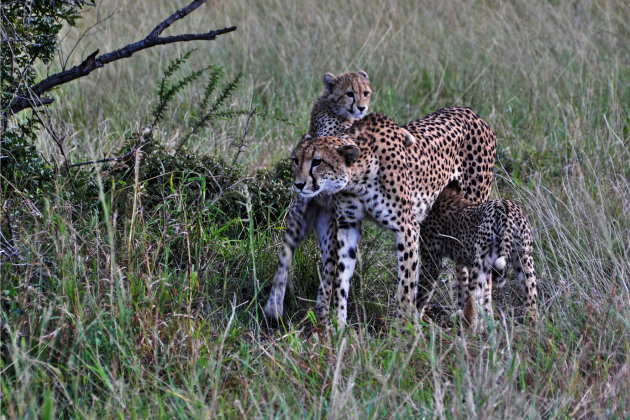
(345, 99)
(372, 174)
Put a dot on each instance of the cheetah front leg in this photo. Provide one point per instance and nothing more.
(297, 230)
(348, 236)
(326, 228)
(407, 249)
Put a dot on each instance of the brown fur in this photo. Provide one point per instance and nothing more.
(393, 184)
(333, 113)
(486, 238)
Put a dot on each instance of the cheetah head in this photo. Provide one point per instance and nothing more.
(348, 93)
(320, 165)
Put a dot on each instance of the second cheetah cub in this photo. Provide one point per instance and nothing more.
(483, 240)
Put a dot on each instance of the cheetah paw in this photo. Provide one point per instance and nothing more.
(273, 310)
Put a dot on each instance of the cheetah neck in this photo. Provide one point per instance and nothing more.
(324, 115)
(361, 173)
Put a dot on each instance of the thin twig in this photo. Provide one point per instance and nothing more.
(241, 146)
(141, 140)
(243, 139)
(110, 159)
(7, 209)
(58, 141)
(7, 245)
(224, 190)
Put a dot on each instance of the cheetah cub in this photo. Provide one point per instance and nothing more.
(345, 99)
(483, 240)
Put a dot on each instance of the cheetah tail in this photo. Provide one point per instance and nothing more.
(500, 265)
(499, 271)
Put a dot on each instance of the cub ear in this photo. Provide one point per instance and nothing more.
(452, 188)
(363, 74)
(350, 153)
(330, 81)
(306, 137)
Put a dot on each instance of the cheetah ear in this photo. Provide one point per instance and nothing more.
(364, 74)
(350, 153)
(330, 81)
(452, 189)
(454, 186)
(306, 137)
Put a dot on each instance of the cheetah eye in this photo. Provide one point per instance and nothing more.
(366, 93)
(350, 94)
(295, 160)
(316, 162)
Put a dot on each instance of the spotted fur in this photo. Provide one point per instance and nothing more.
(345, 99)
(371, 174)
(481, 239)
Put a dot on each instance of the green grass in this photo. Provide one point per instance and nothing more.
(110, 314)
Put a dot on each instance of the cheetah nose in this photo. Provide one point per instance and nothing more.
(299, 185)
(361, 108)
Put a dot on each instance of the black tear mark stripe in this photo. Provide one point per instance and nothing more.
(315, 186)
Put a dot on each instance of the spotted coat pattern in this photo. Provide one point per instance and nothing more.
(345, 99)
(373, 175)
(483, 240)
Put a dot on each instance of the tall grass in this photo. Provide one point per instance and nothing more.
(111, 313)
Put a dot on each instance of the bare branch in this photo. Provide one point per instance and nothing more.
(84, 34)
(93, 61)
(175, 16)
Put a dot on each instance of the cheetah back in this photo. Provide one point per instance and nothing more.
(457, 143)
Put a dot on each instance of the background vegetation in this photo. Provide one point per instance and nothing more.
(134, 289)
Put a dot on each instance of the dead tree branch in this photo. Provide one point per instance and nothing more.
(33, 96)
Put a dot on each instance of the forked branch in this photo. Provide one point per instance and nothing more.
(32, 97)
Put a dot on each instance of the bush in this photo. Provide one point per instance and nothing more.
(201, 185)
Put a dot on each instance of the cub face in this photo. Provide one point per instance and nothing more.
(320, 165)
(348, 93)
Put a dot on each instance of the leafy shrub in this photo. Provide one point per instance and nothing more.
(31, 28)
(203, 186)
(23, 165)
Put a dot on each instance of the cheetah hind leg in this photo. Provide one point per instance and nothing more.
(524, 266)
(480, 295)
(466, 308)
(461, 272)
(470, 314)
